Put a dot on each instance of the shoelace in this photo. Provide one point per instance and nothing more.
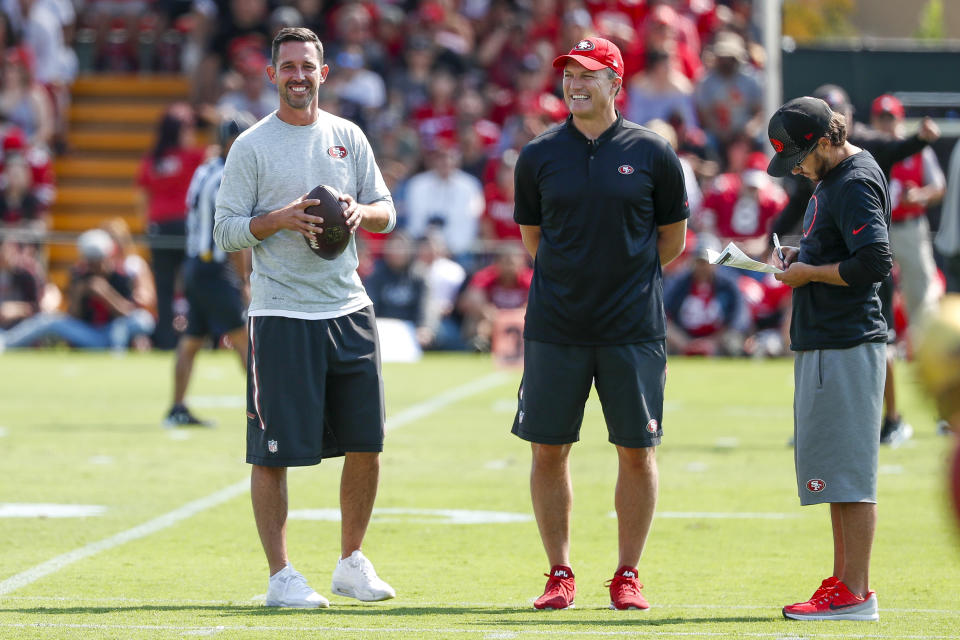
(829, 593)
(625, 584)
(367, 570)
(822, 590)
(555, 582)
(299, 582)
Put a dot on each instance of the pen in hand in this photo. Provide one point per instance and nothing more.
(776, 245)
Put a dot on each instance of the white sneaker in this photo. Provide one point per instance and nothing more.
(355, 577)
(288, 588)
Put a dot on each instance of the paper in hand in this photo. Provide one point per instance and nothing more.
(732, 256)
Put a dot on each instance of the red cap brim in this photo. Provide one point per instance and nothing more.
(593, 65)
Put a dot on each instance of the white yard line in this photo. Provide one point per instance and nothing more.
(446, 398)
(515, 631)
(53, 565)
(190, 509)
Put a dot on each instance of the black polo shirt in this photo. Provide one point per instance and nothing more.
(598, 203)
(848, 210)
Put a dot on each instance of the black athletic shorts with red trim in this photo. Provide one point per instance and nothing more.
(314, 389)
(556, 383)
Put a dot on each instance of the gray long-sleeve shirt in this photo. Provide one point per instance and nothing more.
(269, 166)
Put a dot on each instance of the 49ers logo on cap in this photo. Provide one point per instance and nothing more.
(337, 152)
(585, 45)
(816, 485)
(777, 145)
(625, 169)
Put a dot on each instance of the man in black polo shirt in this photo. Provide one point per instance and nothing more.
(602, 207)
(839, 336)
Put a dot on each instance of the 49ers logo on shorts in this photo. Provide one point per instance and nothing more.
(777, 145)
(816, 485)
(337, 152)
(625, 169)
(652, 425)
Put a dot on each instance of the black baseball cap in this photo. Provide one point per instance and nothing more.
(794, 131)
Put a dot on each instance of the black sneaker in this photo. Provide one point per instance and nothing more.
(180, 416)
(895, 432)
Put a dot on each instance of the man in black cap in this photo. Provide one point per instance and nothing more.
(839, 336)
(887, 151)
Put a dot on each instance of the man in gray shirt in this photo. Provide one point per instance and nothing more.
(314, 388)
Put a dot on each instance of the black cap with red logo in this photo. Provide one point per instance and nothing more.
(794, 131)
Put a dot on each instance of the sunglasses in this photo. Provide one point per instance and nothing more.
(804, 155)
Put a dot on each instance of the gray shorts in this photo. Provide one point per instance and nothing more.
(557, 380)
(837, 405)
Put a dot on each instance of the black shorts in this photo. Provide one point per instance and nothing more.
(216, 302)
(314, 389)
(556, 383)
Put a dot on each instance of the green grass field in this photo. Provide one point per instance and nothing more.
(173, 551)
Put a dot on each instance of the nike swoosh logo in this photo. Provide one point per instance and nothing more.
(858, 230)
(844, 606)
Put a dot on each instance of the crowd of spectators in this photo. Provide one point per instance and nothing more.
(447, 92)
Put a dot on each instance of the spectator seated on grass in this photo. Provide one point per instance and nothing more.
(706, 313)
(503, 285)
(101, 313)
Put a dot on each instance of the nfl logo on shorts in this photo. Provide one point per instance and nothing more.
(272, 446)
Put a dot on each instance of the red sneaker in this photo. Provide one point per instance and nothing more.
(625, 590)
(834, 602)
(560, 589)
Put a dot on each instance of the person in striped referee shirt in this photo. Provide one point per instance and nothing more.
(216, 283)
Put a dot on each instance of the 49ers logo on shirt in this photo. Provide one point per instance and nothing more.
(816, 485)
(652, 425)
(777, 145)
(625, 169)
(337, 152)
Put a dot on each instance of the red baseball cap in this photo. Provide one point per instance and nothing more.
(887, 104)
(595, 54)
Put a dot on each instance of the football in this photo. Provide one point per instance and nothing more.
(335, 237)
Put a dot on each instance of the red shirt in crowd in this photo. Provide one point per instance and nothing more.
(701, 314)
(435, 124)
(13, 141)
(166, 183)
(905, 175)
(503, 296)
(735, 216)
(766, 298)
(499, 213)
